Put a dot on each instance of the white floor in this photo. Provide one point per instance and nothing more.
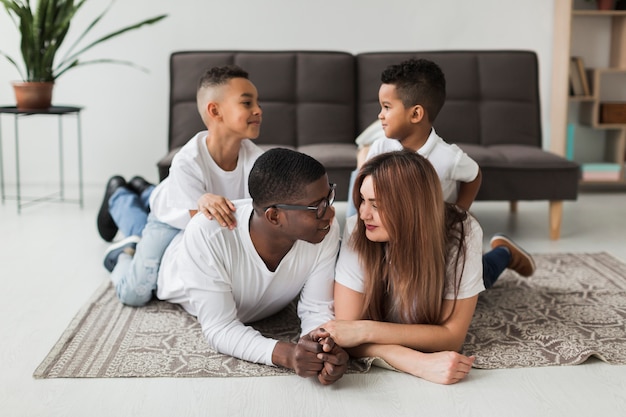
(50, 264)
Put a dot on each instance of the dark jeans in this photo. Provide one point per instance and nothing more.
(494, 262)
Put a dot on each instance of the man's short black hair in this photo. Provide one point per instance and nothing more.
(221, 75)
(280, 175)
(418, 81)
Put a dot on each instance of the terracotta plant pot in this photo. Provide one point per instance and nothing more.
(31, 95)
(605, 4)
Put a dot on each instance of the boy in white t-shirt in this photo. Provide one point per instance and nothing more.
(284, 246)
(411, 95)
(206, 174)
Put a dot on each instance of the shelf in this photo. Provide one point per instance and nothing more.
(609, 126)
(599, 13)
(601, 47)
(581, 98)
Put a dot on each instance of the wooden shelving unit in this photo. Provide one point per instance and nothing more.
(588, 115)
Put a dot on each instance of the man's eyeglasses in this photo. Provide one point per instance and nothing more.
(320, 209)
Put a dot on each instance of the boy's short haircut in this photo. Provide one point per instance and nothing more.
(280, 175)
(221, 75)
(418, 81)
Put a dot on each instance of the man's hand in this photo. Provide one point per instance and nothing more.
(301, 357)
(334, 357)
(219, 208)
(315, 354)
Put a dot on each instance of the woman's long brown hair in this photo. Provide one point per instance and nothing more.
(407, 274)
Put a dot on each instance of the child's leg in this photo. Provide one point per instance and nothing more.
(129, 211)
(494, 262)
(135, 277)
(505, 253)
(144, 197)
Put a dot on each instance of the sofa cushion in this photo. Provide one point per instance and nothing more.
(517, 172)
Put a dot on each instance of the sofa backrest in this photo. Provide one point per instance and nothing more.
(492, 96)
(307, 97)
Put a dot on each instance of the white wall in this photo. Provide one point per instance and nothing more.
(124, 121)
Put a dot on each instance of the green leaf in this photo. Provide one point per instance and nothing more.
(117, 33)
(44, 31)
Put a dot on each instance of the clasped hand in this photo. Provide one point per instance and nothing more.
(317, 354)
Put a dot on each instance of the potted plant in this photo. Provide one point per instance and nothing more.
(43, 30)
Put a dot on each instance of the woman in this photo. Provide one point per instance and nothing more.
(409, 271)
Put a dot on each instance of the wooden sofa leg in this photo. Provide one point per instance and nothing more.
(556, 214)
(513, 206)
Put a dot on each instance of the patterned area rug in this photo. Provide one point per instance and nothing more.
(107, 339)
(573, 307)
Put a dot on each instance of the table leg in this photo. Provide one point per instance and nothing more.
(1, 165)
(61, 181)
(80, 161)
(17, 167)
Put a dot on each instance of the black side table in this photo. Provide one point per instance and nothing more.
(60, 112)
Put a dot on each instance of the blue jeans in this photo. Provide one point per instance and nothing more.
(129, 210)
(135, 277)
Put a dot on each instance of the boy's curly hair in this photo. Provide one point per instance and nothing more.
(418, 81)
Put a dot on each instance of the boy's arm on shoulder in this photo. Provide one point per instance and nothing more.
(468, 191)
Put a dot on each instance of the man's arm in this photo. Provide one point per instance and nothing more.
(203, 267)
(210, 297)
(316, 298)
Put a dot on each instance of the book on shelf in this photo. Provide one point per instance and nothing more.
(601, 171)
(583, 74)
(578, 77)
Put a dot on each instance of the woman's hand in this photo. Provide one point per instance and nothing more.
(219, 208)
(442, 367)
(347, 333)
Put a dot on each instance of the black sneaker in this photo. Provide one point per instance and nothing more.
(138, 184)
(106, 226)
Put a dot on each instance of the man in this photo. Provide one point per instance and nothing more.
(285, 243)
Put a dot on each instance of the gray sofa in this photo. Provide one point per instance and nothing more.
(319, 101)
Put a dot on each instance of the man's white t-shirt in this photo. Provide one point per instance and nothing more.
(217, 275)
(451, 163)
(194, 173)
(349, 272)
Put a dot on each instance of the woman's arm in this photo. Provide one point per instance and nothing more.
(348, 330)
(348, 303)
(440, 367)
